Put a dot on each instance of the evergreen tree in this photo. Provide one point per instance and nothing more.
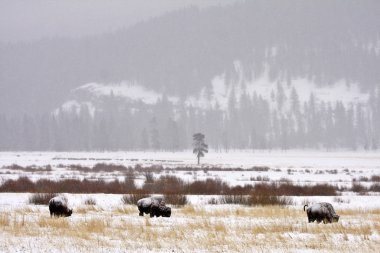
(200, 147)
(281, 97)
(154, 135)
(295, 102)
(144, 144)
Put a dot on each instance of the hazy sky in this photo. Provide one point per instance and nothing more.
(27, 20)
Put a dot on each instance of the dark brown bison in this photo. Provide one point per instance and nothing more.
(155, 206)
(160, 210)
(58, 207)
(321, 212)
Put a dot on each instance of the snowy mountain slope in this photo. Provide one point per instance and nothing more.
(265, 87)
(181, 52)
(127, 90)
(93, 94)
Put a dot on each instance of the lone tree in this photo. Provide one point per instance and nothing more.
(199, 145)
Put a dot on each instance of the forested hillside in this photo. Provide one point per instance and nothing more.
(179, 55)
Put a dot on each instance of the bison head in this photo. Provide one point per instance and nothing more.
(335, 218)
(166, 211)
(69, 212)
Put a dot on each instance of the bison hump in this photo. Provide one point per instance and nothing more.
(58, 200)
(145, 202)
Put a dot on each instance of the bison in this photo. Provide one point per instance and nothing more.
(155, 206)
(58, 207)
(160, 210)
(321, 212)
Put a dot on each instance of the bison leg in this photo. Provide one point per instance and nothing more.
(154, 212)
(141, 211)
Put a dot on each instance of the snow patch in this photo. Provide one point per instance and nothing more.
(76, 107)
(218, 94)
(128, 90)
(263, 86)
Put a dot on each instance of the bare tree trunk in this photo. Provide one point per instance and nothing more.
(198, 158)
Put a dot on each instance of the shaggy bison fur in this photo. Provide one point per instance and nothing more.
(321, 212)
(155, 206)
(58, 207)
(160, 210)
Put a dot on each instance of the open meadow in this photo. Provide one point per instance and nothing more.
(221, 228)
(209, 221)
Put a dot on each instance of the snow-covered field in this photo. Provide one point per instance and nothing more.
(239, 168)
(110, 226)
(244, 159)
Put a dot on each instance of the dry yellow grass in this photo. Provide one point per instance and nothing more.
(129, 210)
(4, 219)
(194, 228)
(47, 222)
(87, 209)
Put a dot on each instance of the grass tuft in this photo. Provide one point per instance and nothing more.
(90, 201)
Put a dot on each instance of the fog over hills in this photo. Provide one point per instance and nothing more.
(268, 60)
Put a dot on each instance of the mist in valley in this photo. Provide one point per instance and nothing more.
(132, 75)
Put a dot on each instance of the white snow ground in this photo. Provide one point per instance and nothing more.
(243, 159)
(110, 226)
(301, 167)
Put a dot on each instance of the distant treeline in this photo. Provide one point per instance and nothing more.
(250, 122)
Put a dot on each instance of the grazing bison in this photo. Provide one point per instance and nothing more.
(321, 212)
(160, 210)
(155, 206)
(58, 207)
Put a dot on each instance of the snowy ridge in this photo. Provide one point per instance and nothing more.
(75, 107)
(218, 95)
(264, 87)
(128, 90)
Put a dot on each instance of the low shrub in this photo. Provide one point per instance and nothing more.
(31, 168)
(260, 178)
(375, 187)
(332, 172)
(90, 201)
(341, 200)
(22, 184)
(131, 199)
(166, 185)
(290, 189)
(306, 201)
(149, 178)
(356, 187)
(360, 179)
(213, 201)
(234, 199)
(264, 200)
(260, 168)
(41, 198)
(176, 199)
